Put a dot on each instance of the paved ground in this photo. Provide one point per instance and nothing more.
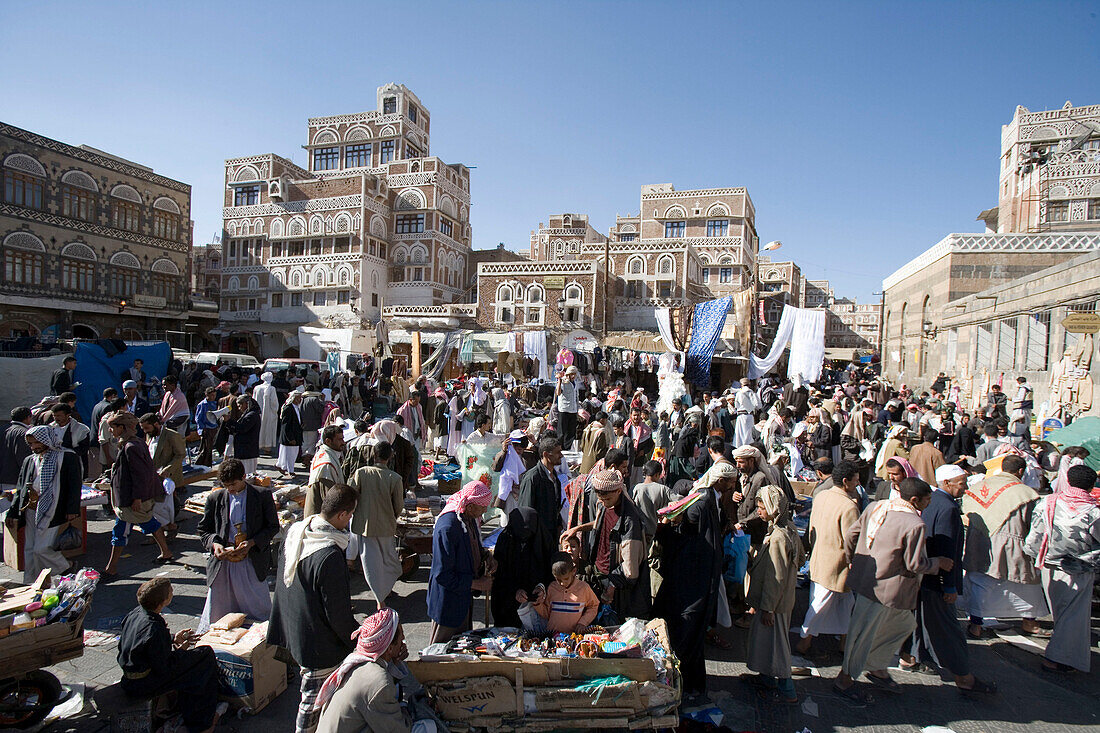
(1029, 699)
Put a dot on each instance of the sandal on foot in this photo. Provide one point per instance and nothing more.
(919, 668)
(971, 634)
(854, 696)
(1036, 634)
(164, 560)
(980, 687)
(886, 683)
(1056, 667)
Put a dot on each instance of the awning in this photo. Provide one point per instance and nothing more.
(427, 338)
(484, 347)
(841, 353)
(647, 341)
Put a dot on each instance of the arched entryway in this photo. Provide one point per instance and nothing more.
(17, 328)
(81, 331)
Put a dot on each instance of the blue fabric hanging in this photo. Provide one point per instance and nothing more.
(706, 325)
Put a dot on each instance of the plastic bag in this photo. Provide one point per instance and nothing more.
(70, 539)
(607, 616)
(631, 632)
(735, 555)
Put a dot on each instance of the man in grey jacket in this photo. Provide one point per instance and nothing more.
(313, 413)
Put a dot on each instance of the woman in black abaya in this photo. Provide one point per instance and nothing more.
(691, 551)
(523, 554)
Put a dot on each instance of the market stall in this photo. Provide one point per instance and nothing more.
(504, 680)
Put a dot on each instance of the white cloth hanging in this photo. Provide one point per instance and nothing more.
(759, 366)
(664, 327)
(534, 345)
(804, 329)
(807, 345)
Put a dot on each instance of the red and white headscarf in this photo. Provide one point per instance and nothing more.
(474, 492)
(374, 637)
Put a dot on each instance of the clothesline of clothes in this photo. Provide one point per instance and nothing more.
(622, 360)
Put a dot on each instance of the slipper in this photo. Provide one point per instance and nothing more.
(756, 680)
(854, 696)
(919, 668)
(1036, 634)
(164, 560)
(886, 683)
(980, 687)
(971, 634)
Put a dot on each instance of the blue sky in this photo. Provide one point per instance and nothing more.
(864, 131)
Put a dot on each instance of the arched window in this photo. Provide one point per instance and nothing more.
(253, 283)
(78, 267)
(535, 295)
(726, 260)
(296, 279)
(665, 266)
(24, 255)
(78, 195)
(574, 294)
(234, 284)
(400, 256)
(345, 276)
(24, 181)
(635, 266)
(125, 272)
(504, 293)
(125, 208)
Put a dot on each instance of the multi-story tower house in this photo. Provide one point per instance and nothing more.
(375, 219)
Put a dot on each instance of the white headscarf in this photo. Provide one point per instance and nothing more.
(307, 537)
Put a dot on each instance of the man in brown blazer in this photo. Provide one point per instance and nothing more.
(168, 450)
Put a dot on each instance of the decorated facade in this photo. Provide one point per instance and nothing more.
(373, 220)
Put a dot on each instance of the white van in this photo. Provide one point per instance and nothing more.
(213, 357)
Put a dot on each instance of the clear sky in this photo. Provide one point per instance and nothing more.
(864, 131)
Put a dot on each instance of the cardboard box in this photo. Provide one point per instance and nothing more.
(251, 676)
(476, 697)
(803, 488)
(13, 548)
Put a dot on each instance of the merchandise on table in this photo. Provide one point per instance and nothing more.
(509, 679)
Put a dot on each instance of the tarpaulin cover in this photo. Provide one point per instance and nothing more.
(706, 325)
(1085, 432)
(96, 371)
(26, 381)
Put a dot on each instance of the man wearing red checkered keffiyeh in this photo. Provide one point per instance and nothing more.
(363, 693)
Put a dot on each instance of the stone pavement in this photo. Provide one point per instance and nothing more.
(1028, 700)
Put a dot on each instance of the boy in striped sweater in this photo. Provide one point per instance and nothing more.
(568, 605)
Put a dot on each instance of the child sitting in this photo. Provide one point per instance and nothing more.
(568, 605)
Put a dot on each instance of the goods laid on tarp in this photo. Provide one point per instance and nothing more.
(509, 679)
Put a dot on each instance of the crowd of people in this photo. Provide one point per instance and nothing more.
(614, 504)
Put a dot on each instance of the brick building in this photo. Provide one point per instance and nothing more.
(681, 248)
(374, 220)
(206, 270)
(94, 246)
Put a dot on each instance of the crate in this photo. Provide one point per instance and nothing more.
(43, 646)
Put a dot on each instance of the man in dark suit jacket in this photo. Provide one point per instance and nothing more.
(245, 429)
(14, 448)
(311, 615)
(540, 488)
(62, 379)
(939, 641)
(313, 417)
(135, 404)
(237, 526)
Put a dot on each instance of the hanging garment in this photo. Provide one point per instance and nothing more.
(706, 326)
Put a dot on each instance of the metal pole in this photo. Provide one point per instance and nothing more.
(606, 280)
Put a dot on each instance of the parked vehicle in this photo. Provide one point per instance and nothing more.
(281, 365)
(214, 357)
